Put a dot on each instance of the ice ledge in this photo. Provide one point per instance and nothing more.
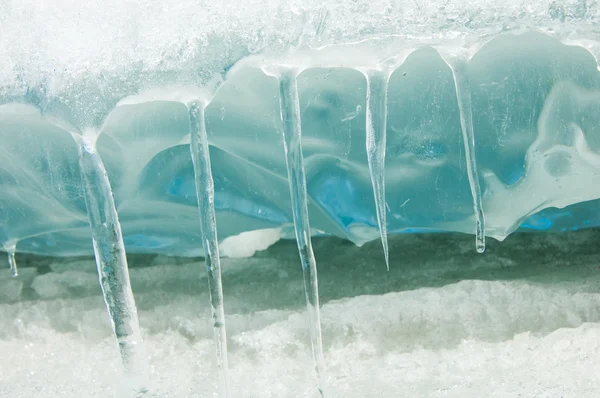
(534, 106)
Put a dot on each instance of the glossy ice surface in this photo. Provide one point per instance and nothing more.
(127, 73)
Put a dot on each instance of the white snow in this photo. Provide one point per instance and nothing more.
(520, 320)
(247, 243)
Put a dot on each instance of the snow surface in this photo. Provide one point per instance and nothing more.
(535, 102)
(520, 320)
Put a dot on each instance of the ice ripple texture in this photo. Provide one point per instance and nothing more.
(535, 104)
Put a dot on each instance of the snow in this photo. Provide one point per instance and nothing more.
(519, 320)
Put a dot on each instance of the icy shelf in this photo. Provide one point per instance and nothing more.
(533, 102)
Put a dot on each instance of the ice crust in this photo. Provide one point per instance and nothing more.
(127, 71)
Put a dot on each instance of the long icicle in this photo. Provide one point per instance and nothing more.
(463, 95)
(113, 273)
(376, 115)
(292, 136)
(205, 191)
(12, 262)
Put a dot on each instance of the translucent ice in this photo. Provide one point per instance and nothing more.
(112, 267)
(502, 139)
(463, 96)
(205, 193)
(12, 262)
(292, 143)
(529, 94)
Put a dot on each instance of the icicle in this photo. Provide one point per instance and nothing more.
(205, 192)
(377, 93)
(12, 262)
(292, 134)
(112, 266)
(463, 95)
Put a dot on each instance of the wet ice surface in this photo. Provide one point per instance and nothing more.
(528, 109)
(445, 321)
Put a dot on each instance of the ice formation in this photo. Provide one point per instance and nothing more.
(357, 120)
(111, 263)
(292, 144)
(520, 319)
(520, 88)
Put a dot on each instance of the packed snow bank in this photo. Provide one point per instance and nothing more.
(445, 322)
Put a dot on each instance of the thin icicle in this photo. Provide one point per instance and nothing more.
(112, 267)
(377, 93)
(463, 95)
(205, 191)
(12, 262)
(292, 136)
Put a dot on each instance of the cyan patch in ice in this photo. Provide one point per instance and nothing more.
(535, 104)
